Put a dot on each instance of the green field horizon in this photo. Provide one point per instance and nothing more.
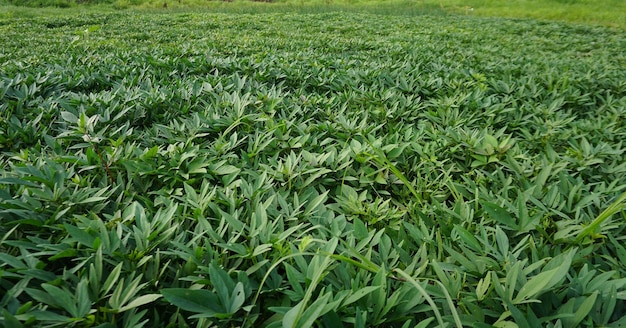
(610, 13)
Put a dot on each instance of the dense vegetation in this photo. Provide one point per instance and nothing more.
(299, 170)
(610, 13)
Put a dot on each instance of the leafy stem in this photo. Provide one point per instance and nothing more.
(618, 205)
(104, 163)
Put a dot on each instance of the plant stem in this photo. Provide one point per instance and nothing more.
(106, 166)
(618, 205)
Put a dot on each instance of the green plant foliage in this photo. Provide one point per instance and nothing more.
(324, 170)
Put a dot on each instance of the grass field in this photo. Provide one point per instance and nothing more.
(163, 169)
(611, 13)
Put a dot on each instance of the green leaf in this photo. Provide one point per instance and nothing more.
(499, 214)
(125, 291)
(197, 167)
(17, 181)
(83, 302)
(226, 169)
(360, 230)
(291, 317)
(62, 298)
(66, 253)
(10, 320)
(223, 285)
(237, 298)
(12, 261)
(423, 292)
(483, 287)
(69, 117)
(311, 206)
(541, 179)
(618, 205)
(535, 286)
(92, 200)
(139, 301)
(50, 316)
(502, 241)
(261, 249)
(79, 235)
(357, 295)
(426, 323)
(468, 238)
(200, 301)
(520, 317)
(581, 311)
(294, 277)
(314, 311)
(111, 279)
(41, 296)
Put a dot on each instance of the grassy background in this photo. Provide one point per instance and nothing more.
(603, 12)
(610, 13)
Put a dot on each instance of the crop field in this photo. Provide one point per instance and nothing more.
(299, 170)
